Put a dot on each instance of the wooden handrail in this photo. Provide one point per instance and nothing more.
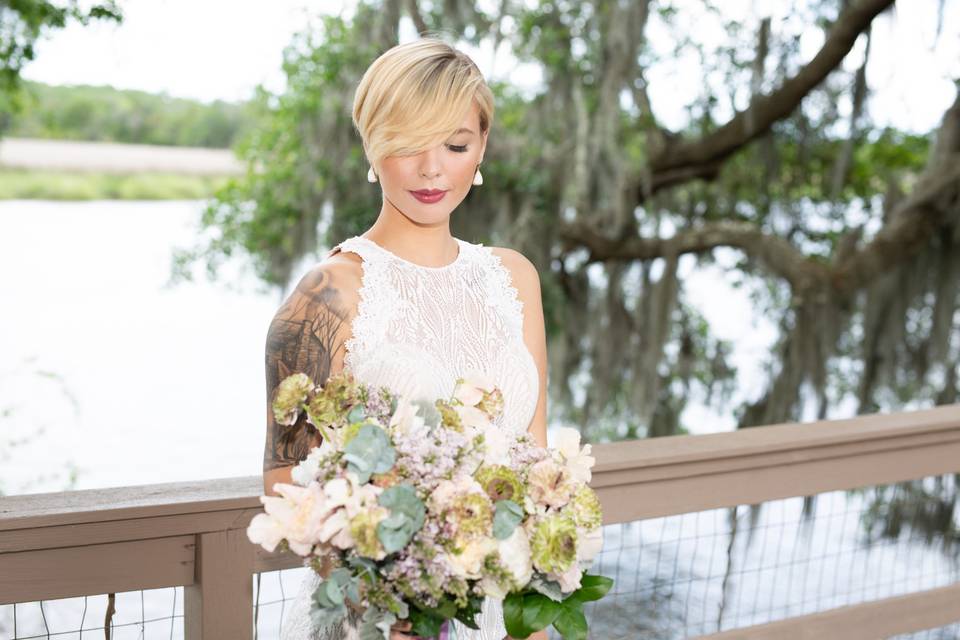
(64, 544)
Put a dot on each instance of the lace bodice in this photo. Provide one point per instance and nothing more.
(416, 330)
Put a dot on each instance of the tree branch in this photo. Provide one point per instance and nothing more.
(685, 160)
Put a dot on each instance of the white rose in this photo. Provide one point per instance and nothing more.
(515, 556)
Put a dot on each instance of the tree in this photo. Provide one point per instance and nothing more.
(22, 22)
(846, 233)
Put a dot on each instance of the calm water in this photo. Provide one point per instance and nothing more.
(105, 369)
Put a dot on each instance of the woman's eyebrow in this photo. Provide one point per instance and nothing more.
(463, 130)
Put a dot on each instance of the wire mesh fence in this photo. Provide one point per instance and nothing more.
(148, 613)
(678, 576)
(699, 573)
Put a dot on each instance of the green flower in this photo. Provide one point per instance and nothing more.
(473, 515)
(449, 417)
(500, 483)
(331, 403)
(291, 393)
(553, 544)
(584, 508)
(363, 528)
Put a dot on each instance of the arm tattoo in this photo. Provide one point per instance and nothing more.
(303, 337)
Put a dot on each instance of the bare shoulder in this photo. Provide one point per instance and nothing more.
(523, 271)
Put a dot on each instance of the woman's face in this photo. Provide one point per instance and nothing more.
(448, 167)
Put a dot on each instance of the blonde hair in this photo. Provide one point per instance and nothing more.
(415, 95)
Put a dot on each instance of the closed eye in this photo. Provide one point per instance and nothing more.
(457, 148)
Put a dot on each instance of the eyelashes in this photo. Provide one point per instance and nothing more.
(457, 148)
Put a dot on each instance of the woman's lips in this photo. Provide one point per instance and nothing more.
(429, 196)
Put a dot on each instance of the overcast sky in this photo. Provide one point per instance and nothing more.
(209, 49)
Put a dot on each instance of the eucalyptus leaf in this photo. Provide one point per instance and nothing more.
(407, 514)
(506, 516)
(370, 451)
(357, 413)
(375, 624)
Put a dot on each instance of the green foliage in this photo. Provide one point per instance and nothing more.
(369, 452)
(105, 114)
(22, 23)
(507, 515)
(16, 184)
(300, 154)
(527, 611)
(407, 514)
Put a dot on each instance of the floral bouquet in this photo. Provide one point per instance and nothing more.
(428, 508)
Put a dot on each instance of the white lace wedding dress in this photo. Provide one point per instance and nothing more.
(418, 329)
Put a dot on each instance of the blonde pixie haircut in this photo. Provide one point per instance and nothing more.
(414, 96)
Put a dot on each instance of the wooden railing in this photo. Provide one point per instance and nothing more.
(58, 545)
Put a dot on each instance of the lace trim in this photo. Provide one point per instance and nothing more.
(505, 291)
(365, 326)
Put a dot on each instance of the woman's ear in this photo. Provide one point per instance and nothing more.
(483, 145)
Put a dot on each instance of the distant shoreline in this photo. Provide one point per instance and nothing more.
(109, 157)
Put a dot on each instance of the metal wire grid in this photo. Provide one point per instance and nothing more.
(699, 573)
(159, 610)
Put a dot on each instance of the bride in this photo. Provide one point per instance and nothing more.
(406, 304)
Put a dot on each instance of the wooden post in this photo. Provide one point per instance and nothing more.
(220, 602)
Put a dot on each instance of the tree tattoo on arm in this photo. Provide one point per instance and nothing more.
(304, 337)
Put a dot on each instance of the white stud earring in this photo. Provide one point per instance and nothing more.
(477, 177)
(371, 176)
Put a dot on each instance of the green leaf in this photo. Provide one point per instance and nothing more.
(468, 614)
(375, 624)
(370, 451)
(506, 516)
(513, 616)
(549, 588)
(407, 514)
(357, 414)
(425, 623)
(539, 611)
(591, 588)
(571, 623)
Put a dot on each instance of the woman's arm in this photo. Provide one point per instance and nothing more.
(526, 279)
(306, 335)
